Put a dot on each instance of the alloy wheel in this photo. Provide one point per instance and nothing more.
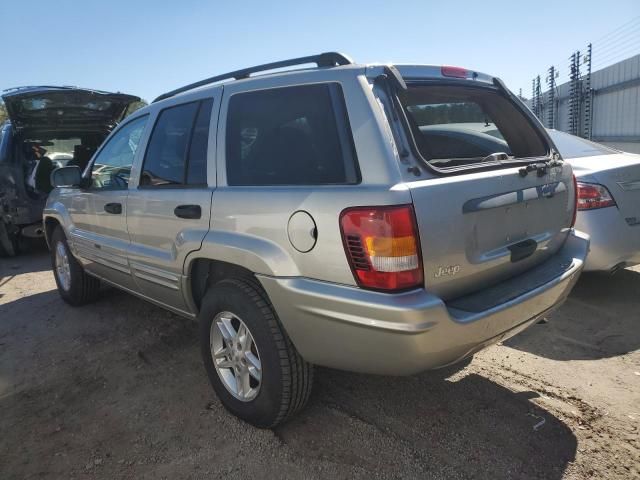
(235, 356)
(63, 271)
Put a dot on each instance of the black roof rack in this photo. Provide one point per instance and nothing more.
(328, 59)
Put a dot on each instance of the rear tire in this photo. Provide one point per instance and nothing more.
(285, 379)
(75, 286)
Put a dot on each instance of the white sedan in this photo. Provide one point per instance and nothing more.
(608, 200)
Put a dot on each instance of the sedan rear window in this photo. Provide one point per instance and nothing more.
(571, 146)
(455, 126)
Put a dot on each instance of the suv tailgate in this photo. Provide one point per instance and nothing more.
(483, 217)
(479, 229)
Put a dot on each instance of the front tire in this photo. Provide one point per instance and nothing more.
(75, 286)
(253, 367)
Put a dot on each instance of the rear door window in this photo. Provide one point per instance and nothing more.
(290, 136)
(455, 126)
(197, 160)
(177, 151)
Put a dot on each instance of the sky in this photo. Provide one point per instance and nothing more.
(148, 47)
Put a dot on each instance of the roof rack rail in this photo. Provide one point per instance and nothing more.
(327, 59)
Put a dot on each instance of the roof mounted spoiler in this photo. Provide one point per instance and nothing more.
(327, 59)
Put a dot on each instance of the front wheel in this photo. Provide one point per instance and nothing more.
(253, 367)
(75, 286)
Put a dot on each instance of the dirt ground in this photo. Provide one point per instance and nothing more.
(117, 390)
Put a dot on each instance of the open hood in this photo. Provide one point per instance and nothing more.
(65, 109)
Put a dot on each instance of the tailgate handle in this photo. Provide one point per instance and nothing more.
(522, 250)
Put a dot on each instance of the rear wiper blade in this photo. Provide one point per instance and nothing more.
(497, 157)
(540, 167)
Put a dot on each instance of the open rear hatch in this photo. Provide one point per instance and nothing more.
(492, 202)
(65, 109)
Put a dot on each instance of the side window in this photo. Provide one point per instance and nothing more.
(197, 161)
(290, 136)
(112, 167)
(164, 161)
(177, 151)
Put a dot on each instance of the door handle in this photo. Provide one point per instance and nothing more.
(188, 211)
(115, 208)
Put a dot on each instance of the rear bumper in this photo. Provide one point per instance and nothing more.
(349, 328)
(613, 241)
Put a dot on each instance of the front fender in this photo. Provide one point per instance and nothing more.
(55, 210)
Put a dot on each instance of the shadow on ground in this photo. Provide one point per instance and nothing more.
(117, 388)
(36, 260)
(470, 427)
(600, 319)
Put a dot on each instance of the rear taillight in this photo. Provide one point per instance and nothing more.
(456, 72)
(382, 246)
(592, 196)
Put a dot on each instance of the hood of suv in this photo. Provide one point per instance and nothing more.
(60, 109)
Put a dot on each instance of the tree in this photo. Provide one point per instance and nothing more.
(136, 106)
(3, 112)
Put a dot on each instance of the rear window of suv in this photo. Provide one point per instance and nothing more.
(456, 126)
(290, 136)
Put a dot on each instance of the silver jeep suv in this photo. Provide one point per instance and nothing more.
(374, 218)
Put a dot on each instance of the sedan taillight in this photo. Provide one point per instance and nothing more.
(593, 195)
(575, 202)
(382, 246)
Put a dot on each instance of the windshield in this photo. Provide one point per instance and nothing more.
(571, 146)
(462, 125)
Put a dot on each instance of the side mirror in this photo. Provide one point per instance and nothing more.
(66, 177)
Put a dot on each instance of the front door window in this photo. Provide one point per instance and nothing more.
(112, 167)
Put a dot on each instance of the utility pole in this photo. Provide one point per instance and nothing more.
(578, 99)
(587, 95)
(574, 94)
(551, 83)
(538, 98)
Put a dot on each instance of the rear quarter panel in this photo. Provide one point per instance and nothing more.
(249, 223)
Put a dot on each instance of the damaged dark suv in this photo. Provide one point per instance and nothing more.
(48, 127)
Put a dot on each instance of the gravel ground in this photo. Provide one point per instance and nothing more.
(117, 390)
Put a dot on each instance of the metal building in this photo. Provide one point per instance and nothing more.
(607, 108)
